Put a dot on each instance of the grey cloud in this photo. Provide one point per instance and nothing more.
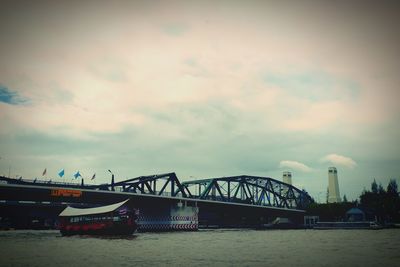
(217, 150)
(313, 85)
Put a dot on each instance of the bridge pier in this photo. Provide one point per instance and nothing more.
(15, 215)
(175, 217)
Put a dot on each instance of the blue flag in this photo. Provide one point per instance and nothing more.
(61, 173)
(77, 174)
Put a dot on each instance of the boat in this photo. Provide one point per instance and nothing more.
(278, 223)
(347, 225)
(115, 219)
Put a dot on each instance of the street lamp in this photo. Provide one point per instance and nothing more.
(112, 180)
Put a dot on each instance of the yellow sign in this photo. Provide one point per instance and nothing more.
(66, 193)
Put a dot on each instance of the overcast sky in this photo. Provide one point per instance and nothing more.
(203, 89)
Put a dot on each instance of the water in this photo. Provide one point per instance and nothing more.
(205, 248)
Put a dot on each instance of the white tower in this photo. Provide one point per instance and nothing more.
(287, 177)
(333, 189)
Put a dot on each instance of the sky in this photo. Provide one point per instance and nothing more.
(201, 88)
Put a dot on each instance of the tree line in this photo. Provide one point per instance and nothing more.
(384, 203)
(377, 203)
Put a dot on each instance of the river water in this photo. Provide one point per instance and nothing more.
(205, 248)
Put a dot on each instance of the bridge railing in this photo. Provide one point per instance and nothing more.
(37, 181)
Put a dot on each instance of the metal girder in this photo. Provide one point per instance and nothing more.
(261, 191)
(160, 184)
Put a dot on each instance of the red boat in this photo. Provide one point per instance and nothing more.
(115, 219)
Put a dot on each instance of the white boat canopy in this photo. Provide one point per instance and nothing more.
(69, 211)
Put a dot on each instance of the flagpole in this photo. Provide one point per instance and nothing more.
(44, 174)
(61, 173)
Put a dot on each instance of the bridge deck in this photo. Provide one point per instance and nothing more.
(59, 194)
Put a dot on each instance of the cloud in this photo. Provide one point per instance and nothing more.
(175, 29)
(340, 160)
(294, 165)
(314, 85)
(10, 97)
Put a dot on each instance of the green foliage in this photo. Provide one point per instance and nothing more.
(384, 204)
(374, 187)
(330, 211)
(392, 187)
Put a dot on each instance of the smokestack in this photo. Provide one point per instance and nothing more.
(333, 188)
(287, 177)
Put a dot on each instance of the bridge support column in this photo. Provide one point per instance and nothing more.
(175, 217)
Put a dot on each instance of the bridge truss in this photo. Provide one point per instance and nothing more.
(243, 189)
(260, 191)
(166, 184)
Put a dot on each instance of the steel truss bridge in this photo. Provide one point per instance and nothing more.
(241, 190)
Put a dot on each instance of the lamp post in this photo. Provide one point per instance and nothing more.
(112, 180)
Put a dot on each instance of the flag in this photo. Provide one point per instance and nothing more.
(44, 172)
(94, 176)
(77, 174)
(61, 173)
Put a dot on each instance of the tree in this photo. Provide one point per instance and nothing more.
(392, 187)
(345, 199)
(330, 211)
(392, 202)
(384, 204)
(380, 189)
(374, 187)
